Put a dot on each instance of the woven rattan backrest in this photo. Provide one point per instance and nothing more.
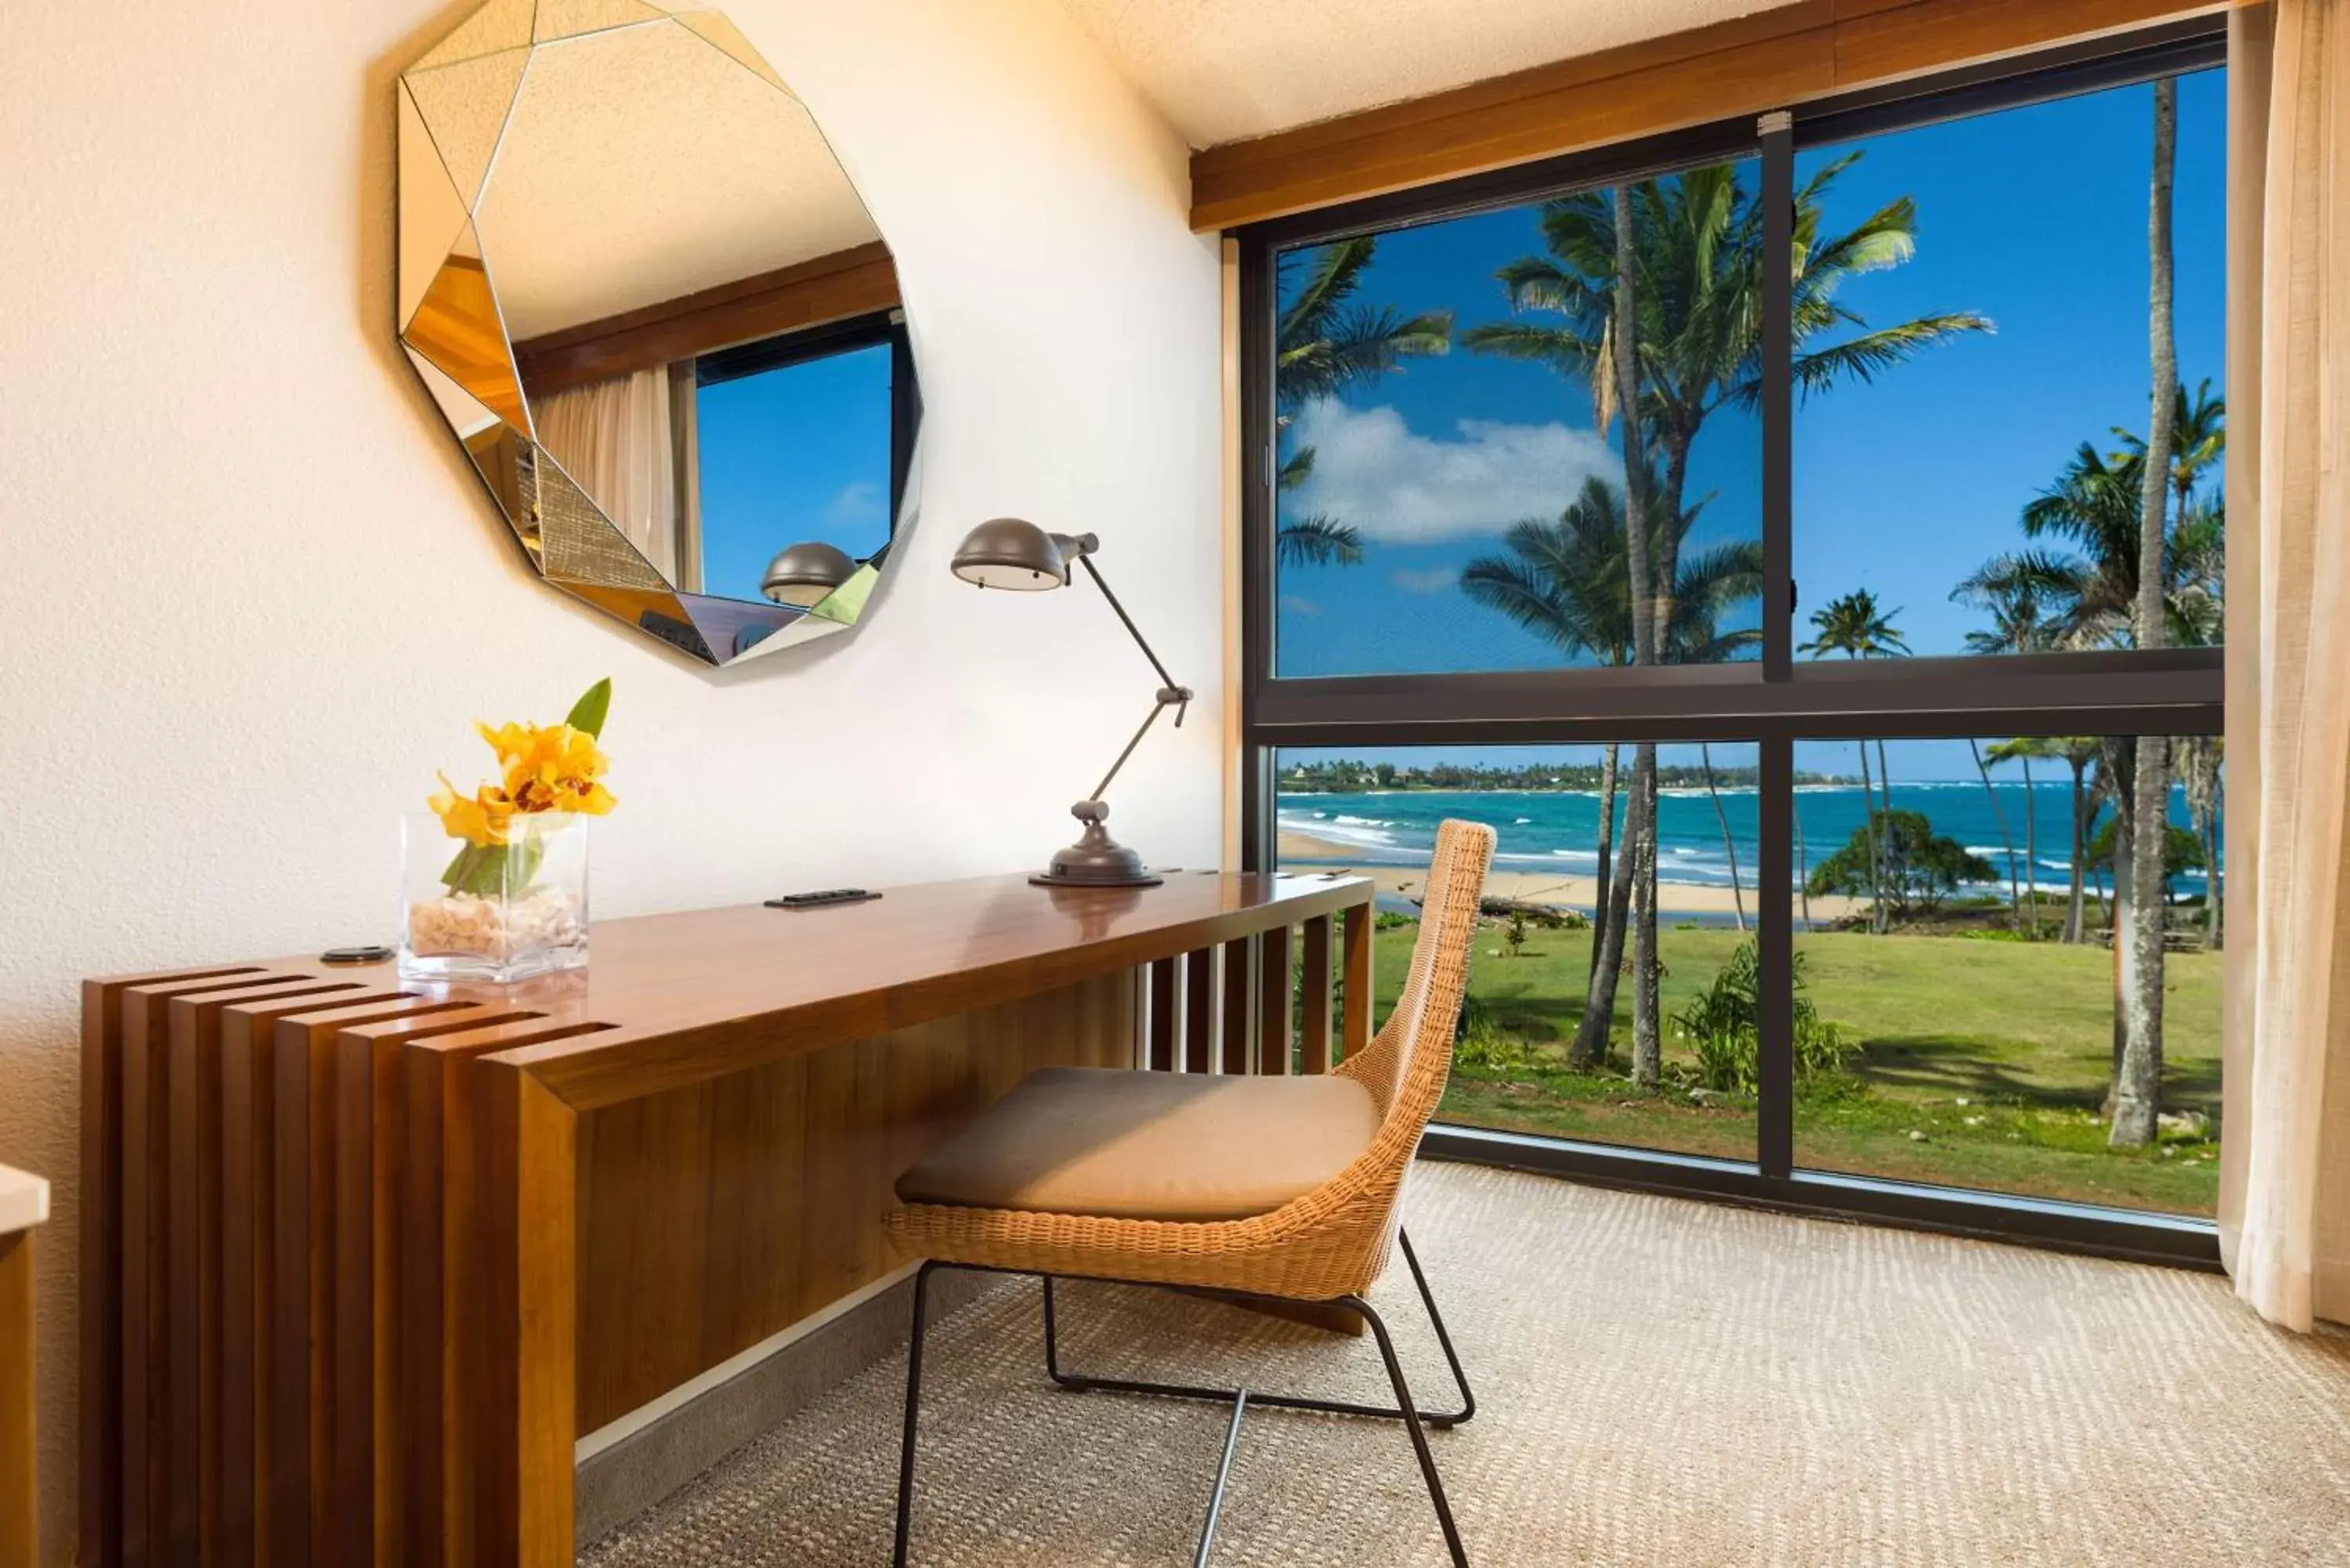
(1406, 1066)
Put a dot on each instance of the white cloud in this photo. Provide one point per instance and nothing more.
(857, 503)
(1370, 470)
(1298, 604)
(1435, 580)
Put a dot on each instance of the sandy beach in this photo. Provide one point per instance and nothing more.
(1536, 888)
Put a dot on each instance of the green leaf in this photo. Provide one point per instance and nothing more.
(587, 713)
(484, 869)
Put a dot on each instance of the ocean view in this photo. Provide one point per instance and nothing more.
(1559, 828)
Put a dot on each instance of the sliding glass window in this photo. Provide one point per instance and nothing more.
(1573, 508)
(1556, 1036)
(1451, 487)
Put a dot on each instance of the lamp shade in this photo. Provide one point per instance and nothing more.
(805, 573)
(1014, 552)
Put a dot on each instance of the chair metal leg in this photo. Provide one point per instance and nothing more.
(1223, 1479)
(1418, 1437)
(1441, 1420)
(1443, 1337)
(913, 1410)
(1240, 1399)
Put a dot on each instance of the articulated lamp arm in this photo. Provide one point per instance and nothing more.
(1170, 695)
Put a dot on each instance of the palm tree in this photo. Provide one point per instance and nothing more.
(2137, 1085)
(1657, 289)
(1619, 387)
(1853, 626)
(2198, 438)
(1696, 261)
(2022, 749)
(2079, 752)
(2089, 592)
(1729, 843)
(1570, 582)
(1566, 582)
(2019, 625)
(2199, 758)
(2006, 838)
(1322, 344)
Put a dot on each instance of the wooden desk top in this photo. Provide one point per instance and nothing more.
(721, 989)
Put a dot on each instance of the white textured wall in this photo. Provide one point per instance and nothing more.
(250, 595)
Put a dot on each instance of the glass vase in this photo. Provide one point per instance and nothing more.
(494, 912)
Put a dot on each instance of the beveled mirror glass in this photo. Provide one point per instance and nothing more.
(658, 317)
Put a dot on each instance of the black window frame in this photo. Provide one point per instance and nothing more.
(1771, 703)
(871, 330)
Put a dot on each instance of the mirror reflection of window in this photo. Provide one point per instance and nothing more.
(793, 439)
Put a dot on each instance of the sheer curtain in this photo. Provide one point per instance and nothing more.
(618, 441)
(2285, 1187)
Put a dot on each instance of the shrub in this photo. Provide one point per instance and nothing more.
(1721, 1027)
(1916, 868)
(1478, 1041)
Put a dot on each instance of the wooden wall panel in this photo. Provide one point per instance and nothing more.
(1773, 59)
(714, 1217)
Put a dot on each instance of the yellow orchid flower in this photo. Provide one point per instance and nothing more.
(551, 769)
(509, 741)
(482, 820)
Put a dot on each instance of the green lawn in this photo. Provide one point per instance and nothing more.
(1996, 1052)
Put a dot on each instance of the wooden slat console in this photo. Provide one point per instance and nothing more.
(24, 1208)
(363, 1260)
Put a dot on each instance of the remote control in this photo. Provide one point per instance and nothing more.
(818, 900)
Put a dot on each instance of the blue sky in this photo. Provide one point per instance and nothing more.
(794, 453)
(2034, 217)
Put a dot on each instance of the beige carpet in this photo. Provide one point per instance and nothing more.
(1661, 1381)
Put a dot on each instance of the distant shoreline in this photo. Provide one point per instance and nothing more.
(1539, 888)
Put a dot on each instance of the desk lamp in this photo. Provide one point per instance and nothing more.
(1012, 553)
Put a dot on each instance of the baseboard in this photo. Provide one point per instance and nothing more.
(623, 1477)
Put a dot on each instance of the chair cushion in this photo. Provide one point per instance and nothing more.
(1150, 1145)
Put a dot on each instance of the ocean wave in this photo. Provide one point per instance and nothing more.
(1344, 830)
(1361, 821)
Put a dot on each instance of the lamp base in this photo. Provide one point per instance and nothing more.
(1096, 860)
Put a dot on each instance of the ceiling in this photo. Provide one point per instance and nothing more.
(1223, 70)
(641, 163)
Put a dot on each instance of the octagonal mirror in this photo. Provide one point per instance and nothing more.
(658, 318)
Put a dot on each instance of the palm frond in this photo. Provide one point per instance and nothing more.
(1866, 356)
(1317, 541)
(1332, 273)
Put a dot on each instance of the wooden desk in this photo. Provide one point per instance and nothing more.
(362, 1259)
(23, 1207)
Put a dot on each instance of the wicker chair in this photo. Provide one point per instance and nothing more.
(1247, 1187)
